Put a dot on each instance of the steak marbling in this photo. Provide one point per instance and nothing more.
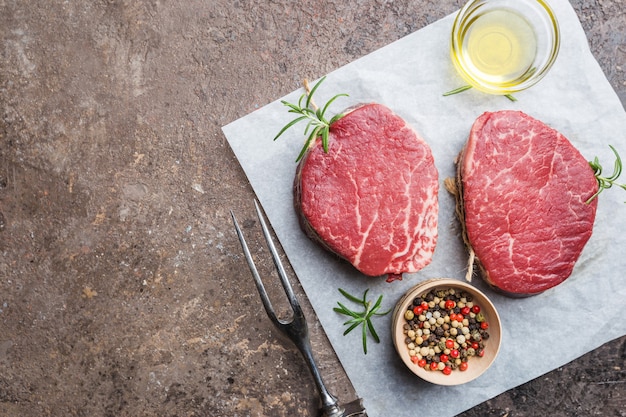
(523, 189)
(373, 198)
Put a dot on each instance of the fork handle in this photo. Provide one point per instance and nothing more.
(330, 406)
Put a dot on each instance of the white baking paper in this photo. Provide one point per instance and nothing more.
(540, 333)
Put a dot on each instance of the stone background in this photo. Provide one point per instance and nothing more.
(123, 291)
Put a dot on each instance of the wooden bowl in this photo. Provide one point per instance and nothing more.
(476, 365)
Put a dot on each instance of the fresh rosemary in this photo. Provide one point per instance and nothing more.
(317, 125)
(457, 90)
(467, 87)
(606, 182)
(363, 318)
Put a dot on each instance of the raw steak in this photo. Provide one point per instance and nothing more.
(524, 189)
(372, 199)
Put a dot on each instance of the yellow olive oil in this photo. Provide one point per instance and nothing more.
(499, 47)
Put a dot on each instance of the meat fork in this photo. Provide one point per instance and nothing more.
(296, 329)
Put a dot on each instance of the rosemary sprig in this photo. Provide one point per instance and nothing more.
(467, 87)
(606, 182)
(317, 124)
(510, 97)
(457, 90)
(363, 318)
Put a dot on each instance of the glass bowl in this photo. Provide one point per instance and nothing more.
(400, 328)
(504, 46)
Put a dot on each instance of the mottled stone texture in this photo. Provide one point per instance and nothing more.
(122, 287)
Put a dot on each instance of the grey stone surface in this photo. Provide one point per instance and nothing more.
(122, 287)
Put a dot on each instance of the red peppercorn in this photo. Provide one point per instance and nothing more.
(453, 356)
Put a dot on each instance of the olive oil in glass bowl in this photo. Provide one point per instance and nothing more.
(504, 46)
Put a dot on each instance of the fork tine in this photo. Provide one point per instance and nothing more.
(257, 279)
(279, 266)
(296, 329)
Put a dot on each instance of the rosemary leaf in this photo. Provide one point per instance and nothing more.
(345, 311)
(350, 297)
(325, 140)
(364, 339)
(288, 125)
(310, 95)
(373, 331)
(378, 302)
(457, 90)
(468, 87)
(354, 326)
(606, 182)
(317, 126)
(329, 103)
(364, 300)
(362, 318)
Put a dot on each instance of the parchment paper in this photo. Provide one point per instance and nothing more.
(540, 333)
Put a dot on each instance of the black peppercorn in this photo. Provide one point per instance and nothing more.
(441, 332)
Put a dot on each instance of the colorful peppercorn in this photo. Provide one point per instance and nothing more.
(444, 329)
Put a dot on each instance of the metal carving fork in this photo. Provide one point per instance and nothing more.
(296, 329)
